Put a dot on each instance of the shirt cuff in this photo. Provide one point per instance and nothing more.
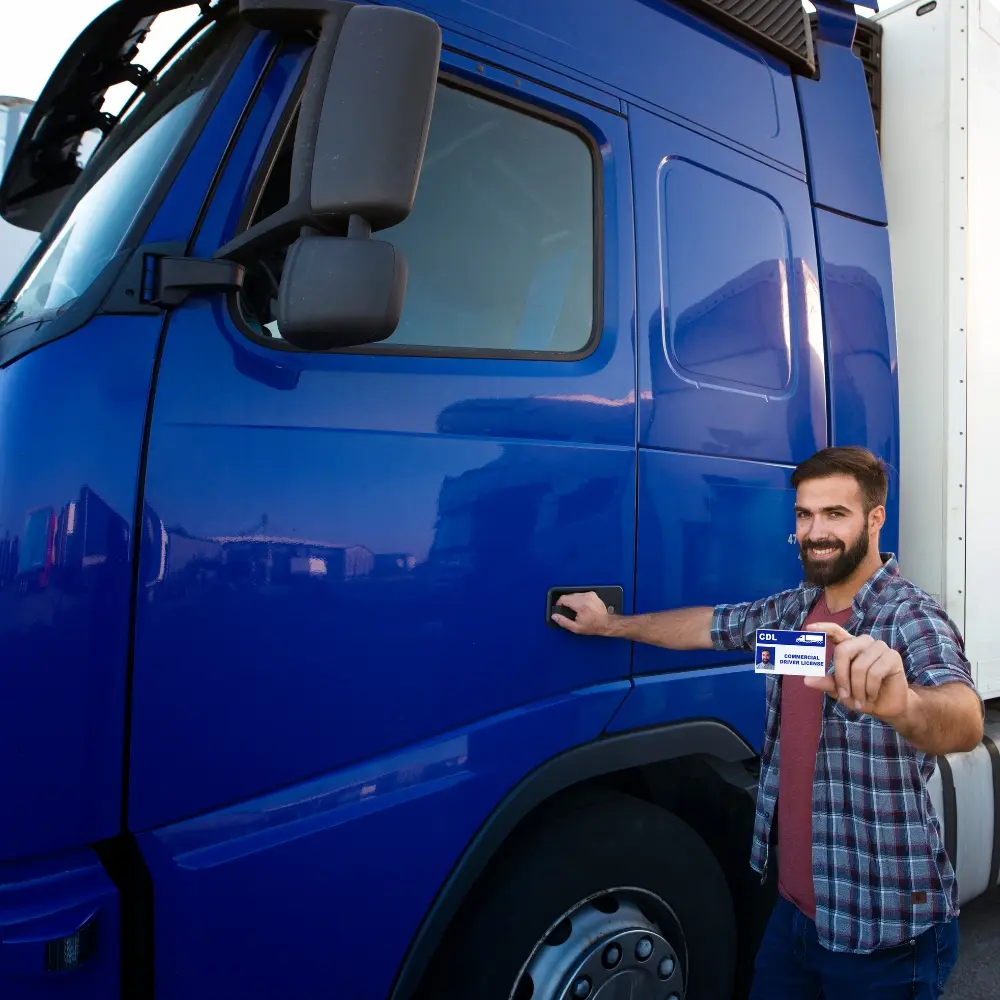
(728, 626)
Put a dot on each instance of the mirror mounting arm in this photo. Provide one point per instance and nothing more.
(358, 228)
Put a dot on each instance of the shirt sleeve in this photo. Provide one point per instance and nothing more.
(734, 626)
(931, 647)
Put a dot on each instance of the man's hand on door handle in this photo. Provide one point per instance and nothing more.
(592, 616)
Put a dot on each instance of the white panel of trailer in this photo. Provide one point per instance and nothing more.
(940, 156)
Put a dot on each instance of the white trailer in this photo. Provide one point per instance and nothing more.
(940, 135)
(939, 111)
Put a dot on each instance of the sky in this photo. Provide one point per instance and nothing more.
(34, 36)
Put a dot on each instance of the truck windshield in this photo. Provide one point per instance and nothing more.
(109, 195)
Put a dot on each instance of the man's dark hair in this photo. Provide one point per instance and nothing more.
(859, 463)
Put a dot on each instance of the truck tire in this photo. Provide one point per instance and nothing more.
(610, 897)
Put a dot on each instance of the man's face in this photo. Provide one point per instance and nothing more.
(832, 529)
(765, 656)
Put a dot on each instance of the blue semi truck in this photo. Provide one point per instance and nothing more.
(365, 331)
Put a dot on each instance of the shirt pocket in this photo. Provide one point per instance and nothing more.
(839, 711)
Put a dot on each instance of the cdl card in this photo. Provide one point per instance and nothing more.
(801, 653)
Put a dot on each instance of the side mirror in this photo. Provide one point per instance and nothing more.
(359, 148)
(340, 292)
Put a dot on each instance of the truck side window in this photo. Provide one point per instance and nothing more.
(501, 241)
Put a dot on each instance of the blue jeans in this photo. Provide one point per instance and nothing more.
(793, 965)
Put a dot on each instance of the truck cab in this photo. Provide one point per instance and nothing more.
(365, 331)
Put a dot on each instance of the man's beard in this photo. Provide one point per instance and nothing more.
(830, 572)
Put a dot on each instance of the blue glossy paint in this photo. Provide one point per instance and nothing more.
(845, 171)
(76, 410)
(711, 531)
(48, 899)
(325, 882)
(650, 51)
(331, 586)
(72, 417)
(717, 315)
(860, 323)
(836, 22)
(732, 695)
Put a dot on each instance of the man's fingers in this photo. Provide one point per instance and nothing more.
(566, 623)
(861, 666)
(583, 602)
(843, 657)
(835, 632)
(841, 640)
(826, 684)
(842, 671)
(876, 676)
(887, 665)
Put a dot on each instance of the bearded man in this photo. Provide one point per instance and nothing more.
(867, 901)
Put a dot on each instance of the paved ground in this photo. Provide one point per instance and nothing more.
(977, 975)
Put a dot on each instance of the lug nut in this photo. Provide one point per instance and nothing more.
(666, 969)
(612, 956)
(581, 988)
(643, 949)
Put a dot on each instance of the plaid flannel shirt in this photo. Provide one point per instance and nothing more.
(880, 870)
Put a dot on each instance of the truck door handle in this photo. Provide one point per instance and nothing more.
(613, 598)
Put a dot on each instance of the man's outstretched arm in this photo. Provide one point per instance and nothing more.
(686, 628)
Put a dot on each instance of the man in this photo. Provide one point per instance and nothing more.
(867, 902)
(765, 658)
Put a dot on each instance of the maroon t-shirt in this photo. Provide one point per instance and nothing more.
(801, 720)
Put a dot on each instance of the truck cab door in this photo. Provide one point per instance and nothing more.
(348, 552)
(733, 395)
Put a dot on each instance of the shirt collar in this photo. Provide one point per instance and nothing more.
(870, 590)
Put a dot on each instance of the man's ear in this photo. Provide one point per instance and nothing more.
(876, 519)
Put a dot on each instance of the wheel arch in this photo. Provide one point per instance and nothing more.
(707, 739)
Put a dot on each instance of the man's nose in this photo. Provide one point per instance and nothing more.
(817, 530)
